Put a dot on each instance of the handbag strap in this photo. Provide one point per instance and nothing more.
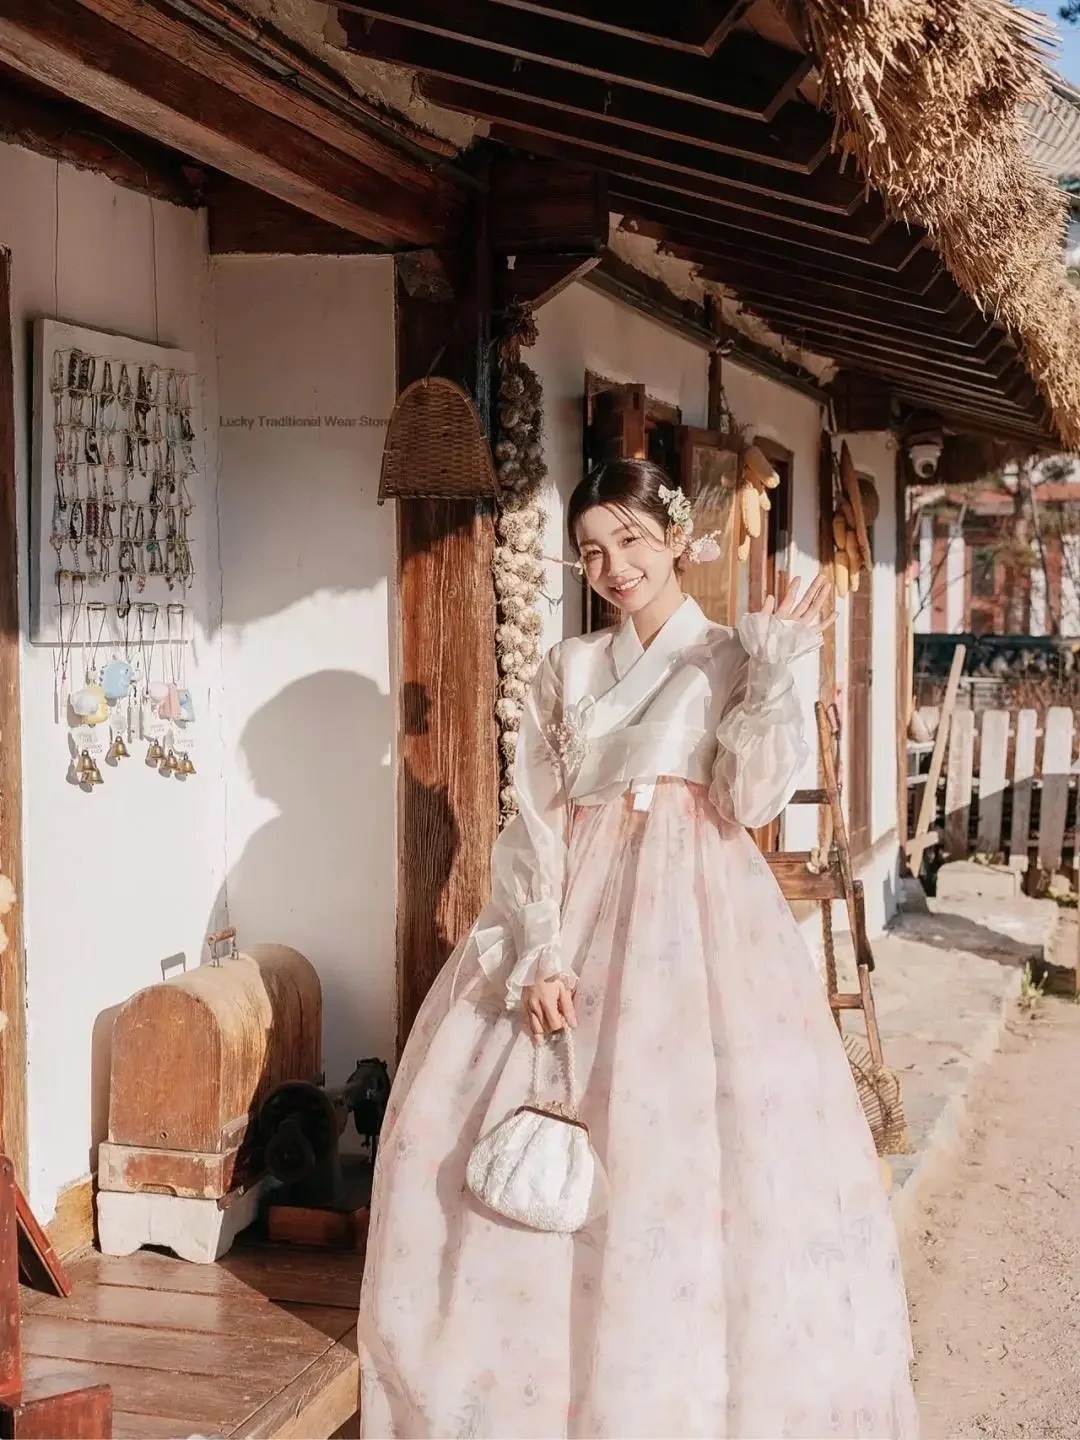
(568, 1071)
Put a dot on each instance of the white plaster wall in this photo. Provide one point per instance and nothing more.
(308, 561)
(118, 880)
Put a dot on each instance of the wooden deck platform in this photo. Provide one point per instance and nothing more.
(263, 1343)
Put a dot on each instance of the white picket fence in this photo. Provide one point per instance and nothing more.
(1009, 779)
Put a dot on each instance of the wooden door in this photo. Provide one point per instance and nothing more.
(860, 727)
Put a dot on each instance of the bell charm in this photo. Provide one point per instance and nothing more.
(117, 750)
(186, 767)
(170, 764)
(91, 775)
(82, 767)
(155, 754)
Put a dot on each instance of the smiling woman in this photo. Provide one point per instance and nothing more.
(737, 1273)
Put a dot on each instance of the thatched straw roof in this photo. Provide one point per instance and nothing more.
(931, 97)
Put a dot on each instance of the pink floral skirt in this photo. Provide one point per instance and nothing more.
(744, 1281)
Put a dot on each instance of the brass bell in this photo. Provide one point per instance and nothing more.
(92, 775)
(119, 749)
(186, 767)
(170, 764)
(155, 754)
(82, 766)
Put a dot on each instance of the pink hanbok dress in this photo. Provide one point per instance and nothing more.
(744, 1279)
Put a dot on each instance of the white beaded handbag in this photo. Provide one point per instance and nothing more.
(538, 1166)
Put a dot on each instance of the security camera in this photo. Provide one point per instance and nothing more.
(924, 456)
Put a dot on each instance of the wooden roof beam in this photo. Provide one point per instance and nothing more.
(834, 298)
(935, 356)
(881, 361)
(41, 120)
(798, 138)
(835, 303)
(245, 221)
(697, 26)
(975, 420)
(99, 65)
(747, 76)
(651, 185)
(928, 350)
(705, 244)
(756, 250)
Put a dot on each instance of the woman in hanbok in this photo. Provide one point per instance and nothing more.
(743, 1279)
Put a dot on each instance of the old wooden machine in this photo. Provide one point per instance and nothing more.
(324, 1195)
(192, 1060)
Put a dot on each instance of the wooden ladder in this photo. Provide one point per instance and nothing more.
(825, 875)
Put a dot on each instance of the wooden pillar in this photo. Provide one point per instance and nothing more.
(905, 656)
(12, 982)
(447, 807)
(827, 664)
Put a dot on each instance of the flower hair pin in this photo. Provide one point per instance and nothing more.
(681, 516)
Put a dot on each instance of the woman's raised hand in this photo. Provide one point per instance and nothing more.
(815, 608)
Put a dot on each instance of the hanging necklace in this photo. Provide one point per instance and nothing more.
(65, 647)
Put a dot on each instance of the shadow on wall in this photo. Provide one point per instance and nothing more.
(315, 876)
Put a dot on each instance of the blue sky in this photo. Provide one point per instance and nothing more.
(1067, 60)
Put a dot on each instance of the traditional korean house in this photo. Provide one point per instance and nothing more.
(804, 222)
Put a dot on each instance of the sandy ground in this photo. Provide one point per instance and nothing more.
(993, 1264)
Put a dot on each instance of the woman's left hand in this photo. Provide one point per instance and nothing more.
(810, 609)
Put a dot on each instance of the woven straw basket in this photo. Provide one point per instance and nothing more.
(435, 447)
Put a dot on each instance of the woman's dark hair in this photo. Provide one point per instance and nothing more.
(620, 485)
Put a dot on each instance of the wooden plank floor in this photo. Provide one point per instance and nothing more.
(263, 1343)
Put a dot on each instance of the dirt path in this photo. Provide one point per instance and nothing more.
(993, 1268)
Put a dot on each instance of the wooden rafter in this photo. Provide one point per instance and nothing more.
(703, 243)
(723, 165)
(798, 132)
(219, 40)
(747, 76)
(100, 65)
(786, 144)
(696, 25)
(652, 186)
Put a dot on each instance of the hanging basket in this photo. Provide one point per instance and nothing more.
(435, 447)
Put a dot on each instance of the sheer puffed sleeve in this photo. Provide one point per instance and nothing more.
(517, 936)
(762, 746)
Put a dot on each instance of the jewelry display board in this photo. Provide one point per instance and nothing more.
(116, 488)
(117, 477)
